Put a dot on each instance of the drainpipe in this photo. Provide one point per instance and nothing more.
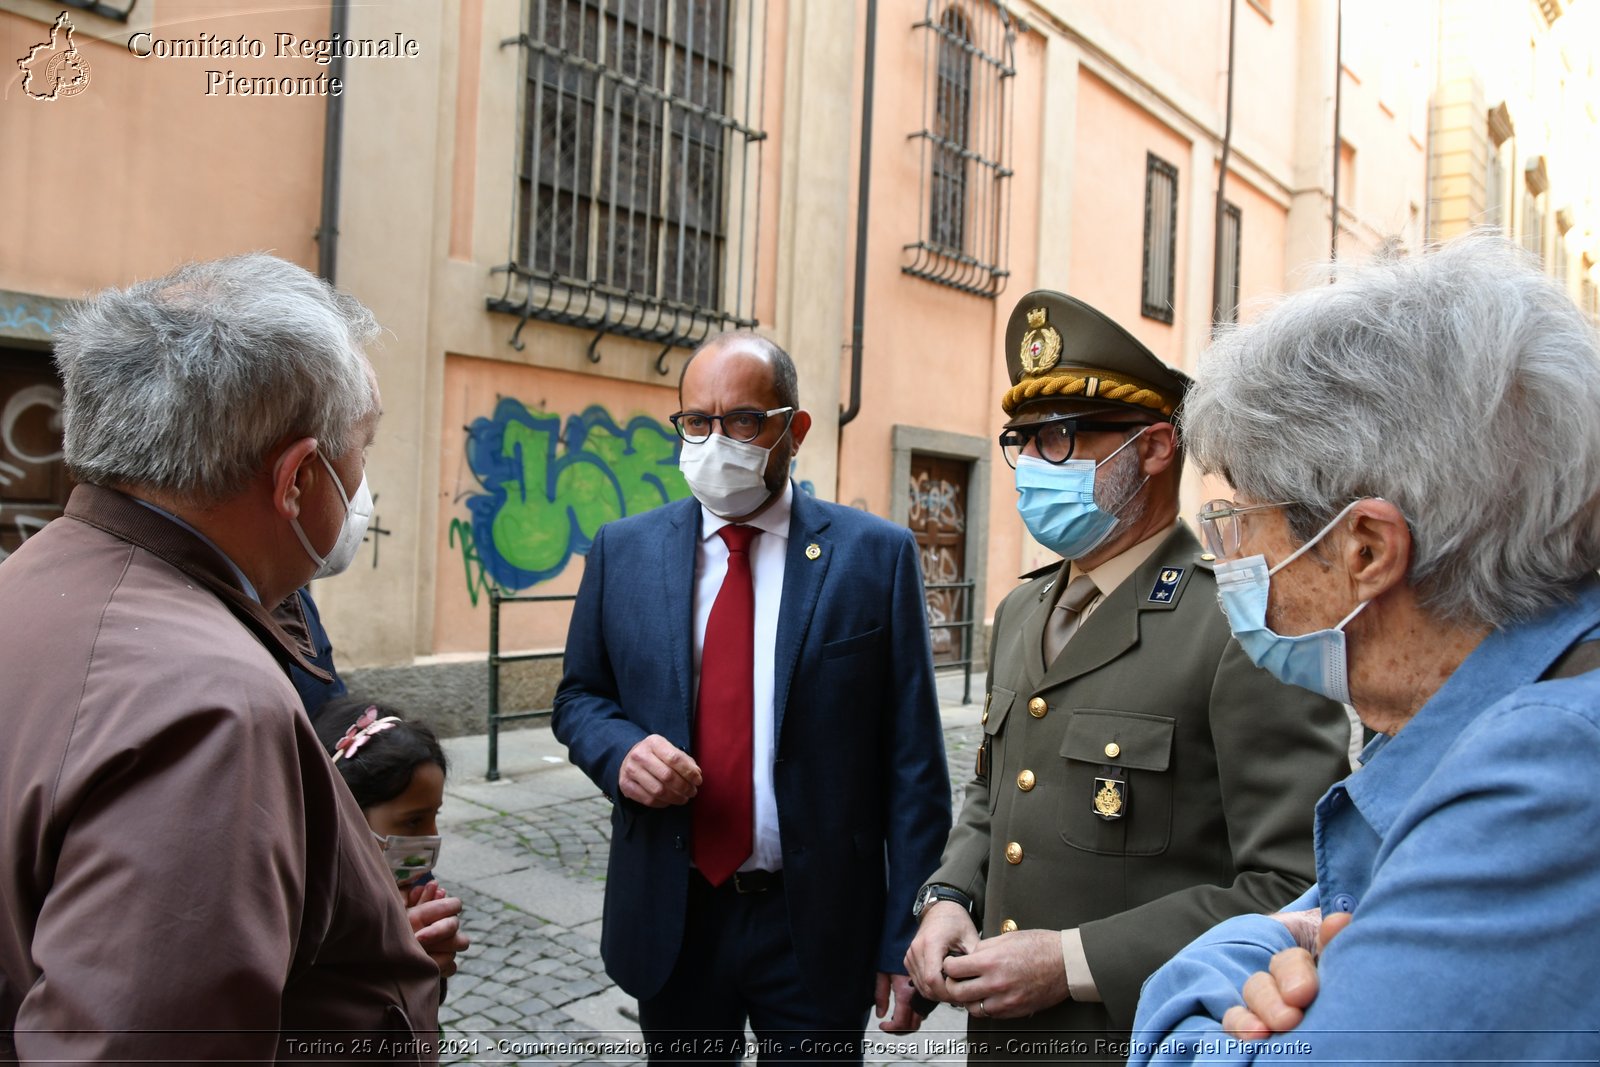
(1222, 180)
(332, 140)
(859, 312)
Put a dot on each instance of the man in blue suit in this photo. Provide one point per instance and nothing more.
(748, 677)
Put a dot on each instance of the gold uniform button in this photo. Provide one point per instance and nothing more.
(1113, 750)
(1025, 781)
(1037, 707)
(1009, 926)
(985, 720)
(1013, 853)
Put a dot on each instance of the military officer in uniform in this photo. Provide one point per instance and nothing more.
(1139, 780)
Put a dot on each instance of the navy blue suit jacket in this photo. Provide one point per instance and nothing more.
(863, 793)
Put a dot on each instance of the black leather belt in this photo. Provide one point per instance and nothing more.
(746, 882)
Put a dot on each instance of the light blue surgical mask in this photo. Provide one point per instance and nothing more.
(1056, 501)
(1316, 661)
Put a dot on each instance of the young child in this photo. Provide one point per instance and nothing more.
(396, 771)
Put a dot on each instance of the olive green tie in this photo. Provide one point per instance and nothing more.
(1063, 621)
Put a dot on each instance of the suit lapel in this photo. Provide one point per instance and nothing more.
(802, 586)
(677, 575)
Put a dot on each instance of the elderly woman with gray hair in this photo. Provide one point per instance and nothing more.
(1415, 452)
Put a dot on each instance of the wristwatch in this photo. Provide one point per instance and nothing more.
(932, 893)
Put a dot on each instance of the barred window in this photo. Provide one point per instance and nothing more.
(964, 203)
(1160, 237)
(1537, 176)
(952, 104)
(1227, 309)
(633, 171)
(1533, 224)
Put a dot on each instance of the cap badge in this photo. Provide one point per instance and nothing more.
(1041, 345)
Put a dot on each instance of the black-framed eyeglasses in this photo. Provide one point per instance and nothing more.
(1056, 438)
(1220, 528)
(695, 426)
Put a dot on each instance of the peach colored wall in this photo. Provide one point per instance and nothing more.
(141, 170)
(1263, 223)
(1114, 136)
(770, 182)
(928, 350)
(1184, 40)
(540, 498)
(1263, 91)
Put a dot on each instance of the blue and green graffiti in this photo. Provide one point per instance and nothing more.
(546, 490)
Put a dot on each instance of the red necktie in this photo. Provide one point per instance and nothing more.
(724, 722)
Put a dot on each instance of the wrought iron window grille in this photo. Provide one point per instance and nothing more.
(964, 197)
(118, 13)
(1160, 238)
(639, 169)
(1228, 289)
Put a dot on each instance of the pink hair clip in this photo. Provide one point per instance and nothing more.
(364, 730)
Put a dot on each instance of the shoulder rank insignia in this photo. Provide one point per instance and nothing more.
(1166, 585)
(1110, 797)
(1041, 345)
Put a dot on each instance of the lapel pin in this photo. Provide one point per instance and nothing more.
(813, 550)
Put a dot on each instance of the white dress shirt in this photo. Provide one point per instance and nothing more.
(767, 555)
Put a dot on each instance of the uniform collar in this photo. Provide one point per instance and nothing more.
(1116, 570)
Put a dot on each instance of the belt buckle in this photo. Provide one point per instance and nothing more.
(750, 882)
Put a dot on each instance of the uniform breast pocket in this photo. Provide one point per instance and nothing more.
(991, 758)
(1118, 794)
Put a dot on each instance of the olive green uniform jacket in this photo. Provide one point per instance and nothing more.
(1216, 769)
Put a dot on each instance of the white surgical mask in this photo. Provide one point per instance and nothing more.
(409, 858)
(1316, 661)
(357, 513)
(729, 477)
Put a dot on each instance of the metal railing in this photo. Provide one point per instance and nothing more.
(964, 626)
(496, 598)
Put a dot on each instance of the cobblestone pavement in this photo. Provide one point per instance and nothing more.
(527, 855)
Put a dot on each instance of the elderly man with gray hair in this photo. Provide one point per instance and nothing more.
(1416, 529)
(183, 876)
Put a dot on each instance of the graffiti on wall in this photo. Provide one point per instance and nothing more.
(544, 488)
(938, 519)
(30, 462)
(935, 501)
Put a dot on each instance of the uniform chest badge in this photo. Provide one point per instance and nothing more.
(1041, 345)
(1110, 798)
(1166, 586)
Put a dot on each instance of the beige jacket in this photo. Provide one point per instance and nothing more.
(182, 874)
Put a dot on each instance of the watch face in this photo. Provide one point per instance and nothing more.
(923, 900)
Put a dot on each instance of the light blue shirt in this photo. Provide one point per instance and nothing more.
(244, 583)
(1468, 850)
